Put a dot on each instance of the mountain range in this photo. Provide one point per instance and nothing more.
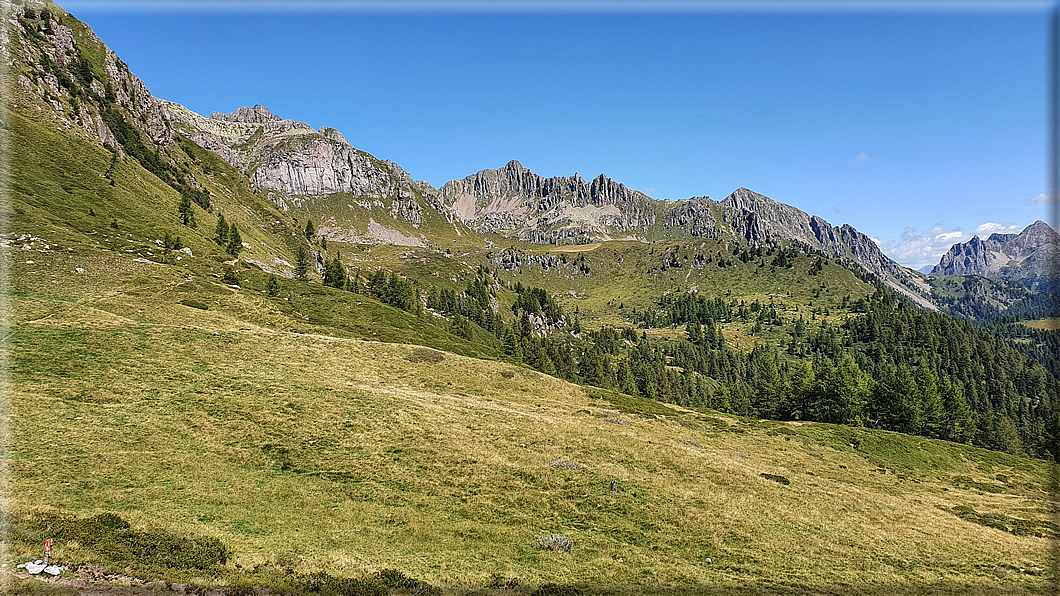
(1028, 258)
(297, 165)
(300, 168)
(247, 357)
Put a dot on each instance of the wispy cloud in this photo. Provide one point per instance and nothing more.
(1038, 200)
(917, 249)
(860, 158)
(996, 228)
(836, 210)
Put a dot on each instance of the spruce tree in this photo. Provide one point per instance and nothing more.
(301, 262)
(187, 216)
(220, 234)
(335, 273)
(235, 242)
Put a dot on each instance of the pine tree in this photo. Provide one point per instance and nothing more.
(301, 262)
(235, 242)
(335, 273)
(187, 216)
(694, 332)
(958, 422)
(310, 231)
(511, 345)
(220, 234)
(931, 410)
(272, 286)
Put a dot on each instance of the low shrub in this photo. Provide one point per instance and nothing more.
(115, 543)
(556, 542)
(775, 478)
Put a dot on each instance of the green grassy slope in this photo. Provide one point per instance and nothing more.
(322, 430)
(298, 445)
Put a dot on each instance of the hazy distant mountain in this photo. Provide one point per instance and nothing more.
(1027, 258)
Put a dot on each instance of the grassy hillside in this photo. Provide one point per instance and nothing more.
(299, 446)
(310, 430)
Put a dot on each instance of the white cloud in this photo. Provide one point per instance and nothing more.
(954, 236)
(1038, 200)
(860, 158)
(994, 228)
(917, 249)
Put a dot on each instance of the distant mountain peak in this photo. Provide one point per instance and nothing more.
(258, 114)
(1025, 257)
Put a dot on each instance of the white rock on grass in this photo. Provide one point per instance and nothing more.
(35, 568)
(53, 570)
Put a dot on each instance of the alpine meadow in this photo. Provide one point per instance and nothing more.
(244, 357)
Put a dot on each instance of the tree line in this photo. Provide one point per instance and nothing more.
(889, 366)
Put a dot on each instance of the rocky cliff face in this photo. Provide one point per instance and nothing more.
(762, 220)
(694, 216)
(515, 201)
(58, 59)
(295, 161)
(1027, 258)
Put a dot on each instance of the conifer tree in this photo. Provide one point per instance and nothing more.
(187, 216)
(235, 242)
(301, 262)
(335, 273)
(958, 422)
(931, 410)
(220, 234)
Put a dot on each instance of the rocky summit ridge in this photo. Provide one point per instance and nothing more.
(1027, 258)
(296, 161)
(296, 165)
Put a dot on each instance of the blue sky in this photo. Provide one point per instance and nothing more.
(918, 127)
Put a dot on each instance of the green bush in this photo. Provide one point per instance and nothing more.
(393, 578)
(115, 543)
(775, 478)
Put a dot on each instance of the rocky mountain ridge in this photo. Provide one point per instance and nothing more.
(1027, 258)
(296, 161)
(299, 166)
(514, 201)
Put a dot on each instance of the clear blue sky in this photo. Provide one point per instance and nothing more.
(916, 127)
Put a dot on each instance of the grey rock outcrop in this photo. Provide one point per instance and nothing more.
(761, 220)
(517, 202)
(694, 216)
(258, 114)
(296, 161)
(1027, 258)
